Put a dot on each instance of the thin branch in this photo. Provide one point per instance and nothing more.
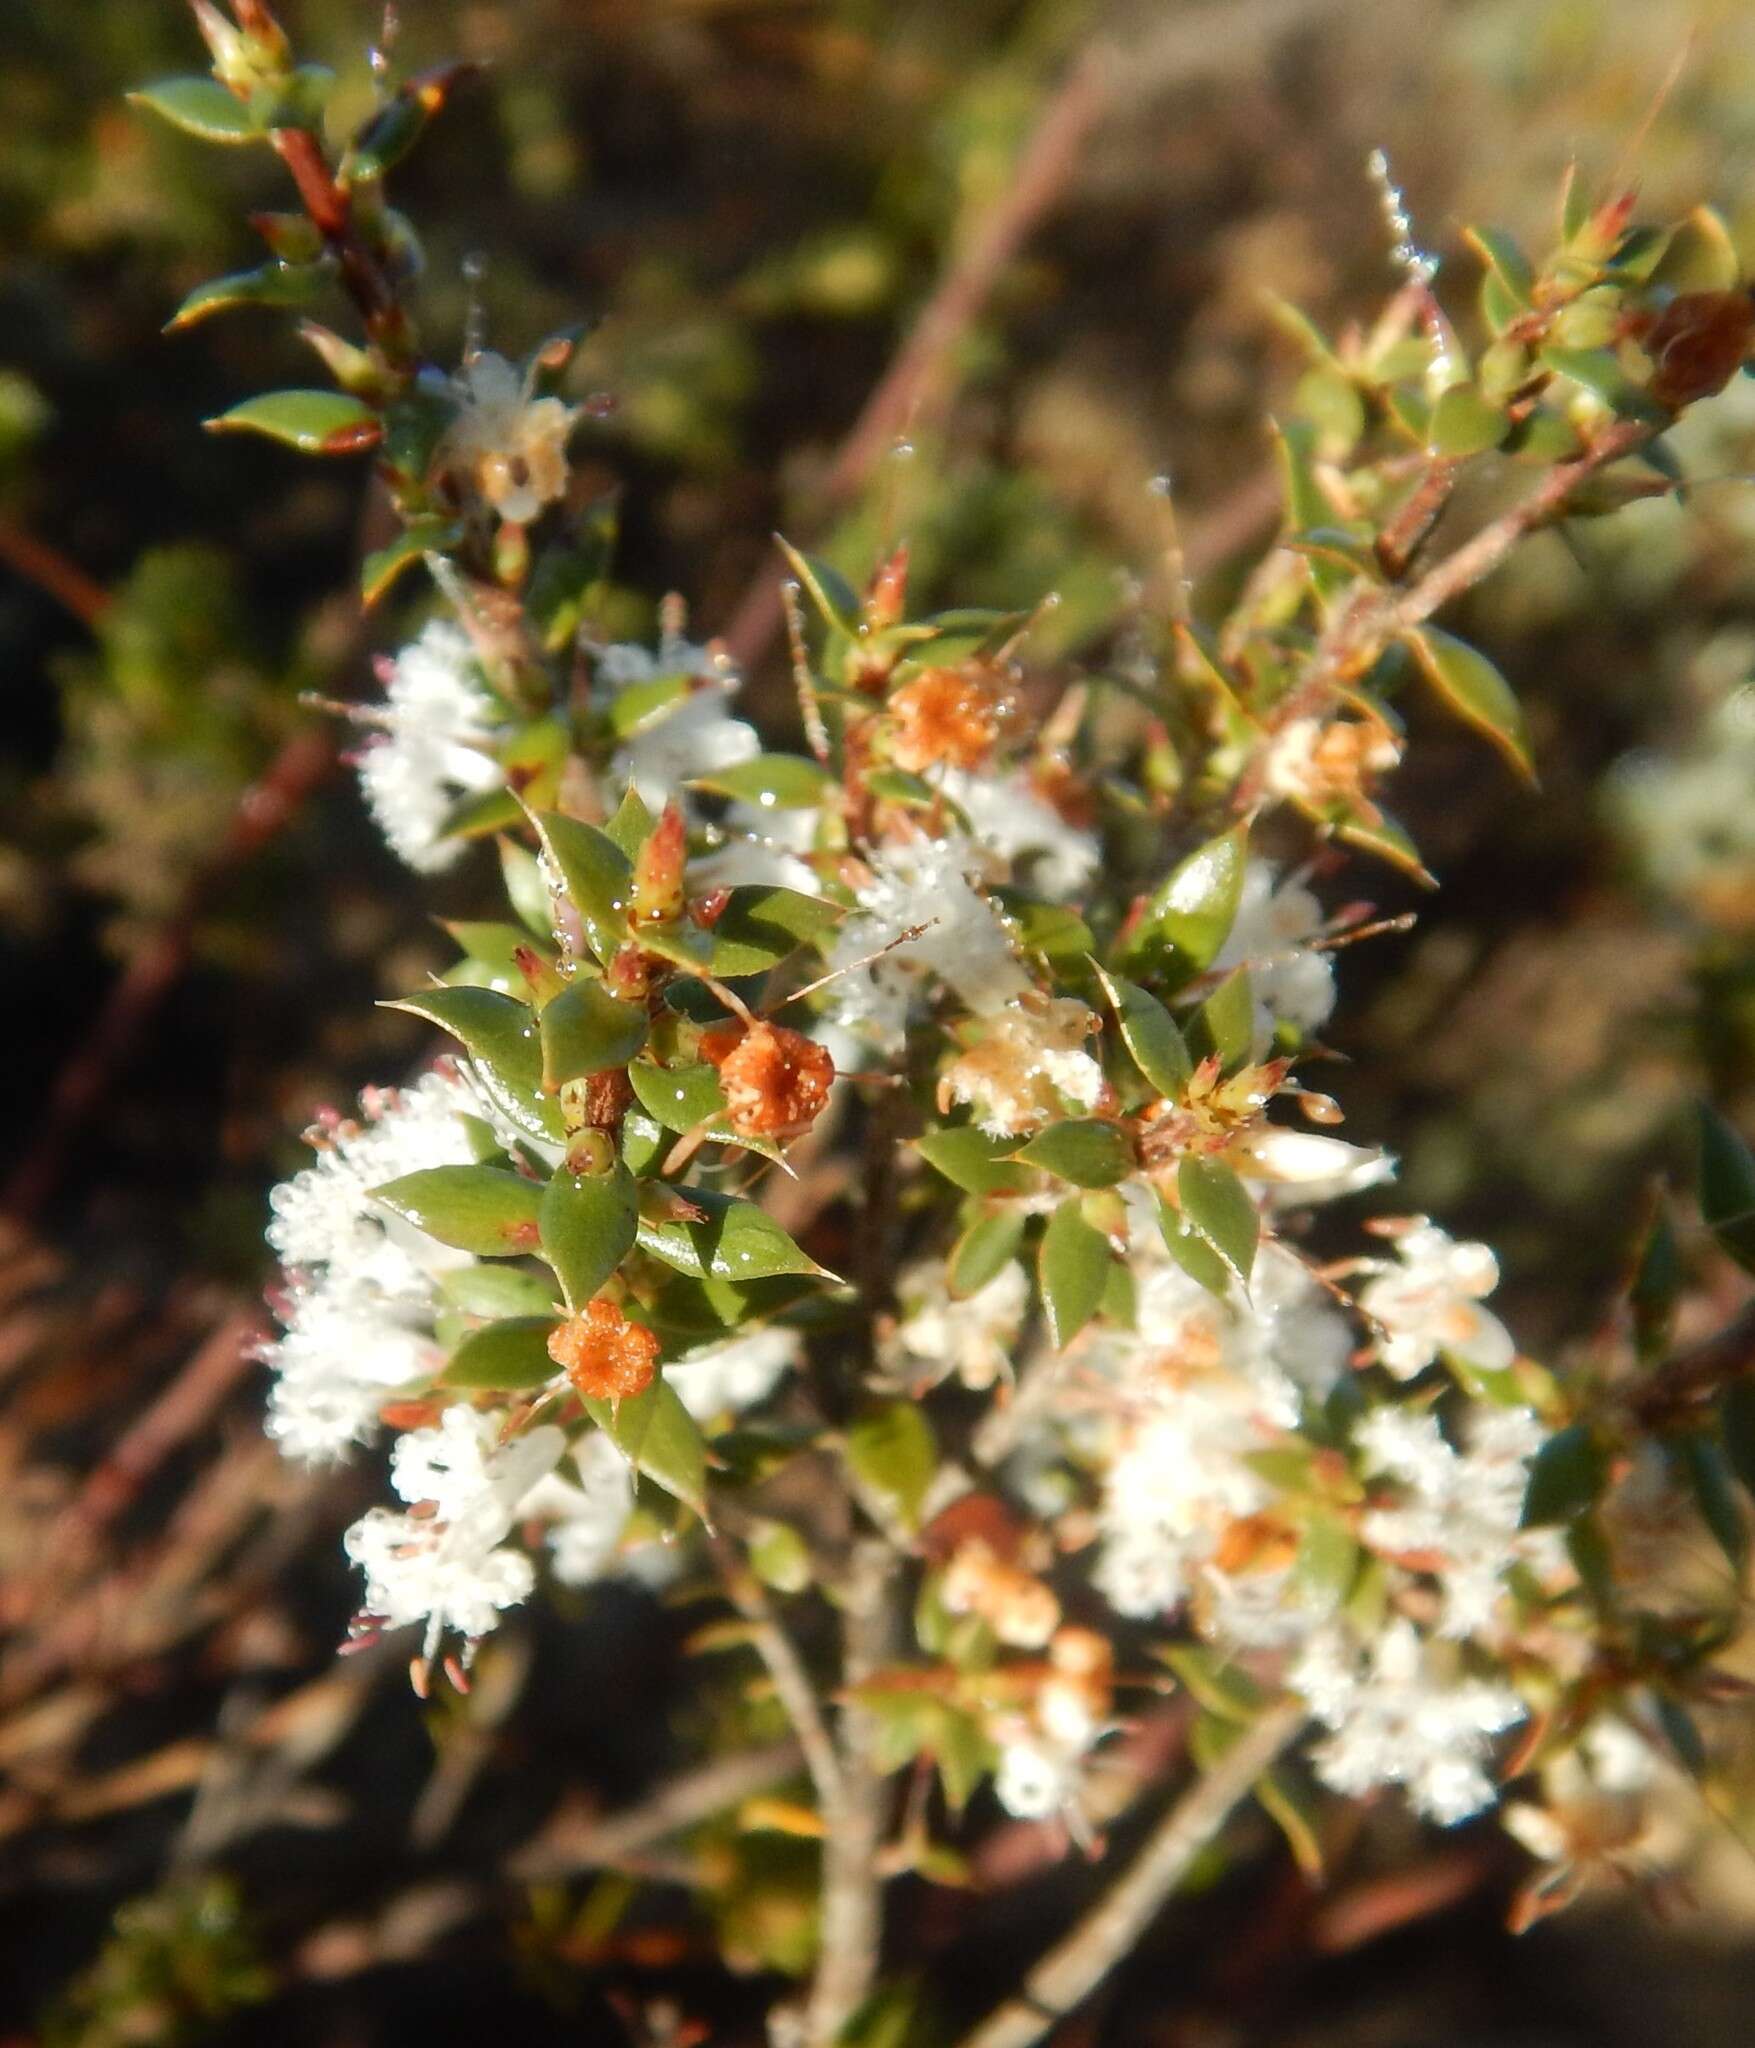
(53, 574)
(792, 1682)
(1074, 1967)
(1676, 1389)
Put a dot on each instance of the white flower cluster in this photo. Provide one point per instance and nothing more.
(1270, 936)
(438, 727)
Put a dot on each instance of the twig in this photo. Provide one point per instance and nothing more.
(1676, 1389)
(1073, 1968)
(792, 1682)
(53, 574)
(852, 1890)
(967, 283)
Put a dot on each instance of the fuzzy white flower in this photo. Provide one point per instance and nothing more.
(1009, 819)
(360, 1283)
(438, 724)
(684, 736)
(586, 1509)
(922, 886)
(1461, 1512)
(972, 1338)
(512, 445)
(1036, 1777)
(442, 1565)
(1430, 1301)
(720, 1379)
(1028, 1066)
(1290, 983)
(1397, 1717)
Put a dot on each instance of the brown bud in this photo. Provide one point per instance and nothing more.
(776, 1081)
(606, 1357)
(658, 871)
(1698, 344)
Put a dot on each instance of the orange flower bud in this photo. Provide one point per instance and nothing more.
(606, 1357)
(945, 716)
(658, 871)
(775, 1080)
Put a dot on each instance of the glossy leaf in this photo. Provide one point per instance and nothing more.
(313, 422)
(498, 1291)
(659, 1437)
(760, 927)
(772, 782)
(1567, 1476)
(385, 566)
(1217, 1207)
(1224, 1025)
(733, 1240)
(1709, 1480)
(1727, 1187)
(1464, 423)
(973, 1161)
(632, 824)
(500, 1035)
(202, 107)
(1149, 1033)
(1072, 1272)
(836, 601)
(893, 1454)
(1193, 1253)
(1657, 1284)
(480, 1209)
(1473, 688)
(589, 1224)
(985, 1249)
(271, 284)
(680, 1097)
(1084, 1150)
(509, 1356)
(586, 1030)
(1191, 914)
(1499, 250)
(597, 875)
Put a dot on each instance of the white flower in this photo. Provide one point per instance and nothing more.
(971, 1338)
(1397, 1719)
(1301, 1167)
(587, 1512)
(1289, 982)
(1431, 1302)
(720, 1379)
(438, 726)
(1028, 1066)
(443, 1564)
(360, 1280)
(1036, 1777)
(513, 445)
(1009, 819)
(1462, 1511)
(922, 886)
(685, 736)
(766, 847)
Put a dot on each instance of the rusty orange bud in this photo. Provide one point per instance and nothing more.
(658, 871)
(888, 594)
(607, 1357)
(776, 1081)
(946, 717)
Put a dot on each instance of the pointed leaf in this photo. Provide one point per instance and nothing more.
(501, 1038)
(734, 1240)
(1193, 1253)
(1657, 1285)
(1216, 1205)
(680, 1097)
(985, 1249)
(1072, 1272)
(384, 566)
(589, 1224)
(1709, 1480)
(1474, 688)
(1149, 1033)
(597, 875)
(314, 422)
(1191, 915)
(1567, 1476)
(836, 600)
(632, 824)
(1464, 423)
(1727, 1187)
(200, 106)
(760, 927)
(1736, 1416)
(893, 1454)
(498, 1291)
(507, 1356)
(271, 284)
(1224, 1025)
(772, 782)
(480, 1209)
(973, 1161)
(1084, 1150)
(659, 1437)
(586, 1030)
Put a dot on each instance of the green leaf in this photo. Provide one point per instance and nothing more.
(1567, 1476)
(773, 782)
(1149, 1033)
(734, 1240)
(1657, 1285)
(985, 1249)
(507, 1357)
(1084, 1150)
(1216, 1205)
(1736, 1417)
(495, 946)
(597, 874)
(498, 1291)
(1072, 1271)
(836, 600)
(384, 566)
(500, 1036)
(1498, 249)
(1727, 1187)
(1473, 688)
(1709, 1480)
(1327, 1562)
(760, 927)
(680, 1097)
(893, 1454)
(480, 1209)
(200, 106)
(1298, 1815)
(589, 1224)
(270, 284)
(1680, 1733)
(1193, 1253)
(1307, 504)
(659, 1437)
(1218, 1687)
(1700, 256)
(586, 1030)
(313, 422)
(1191, 914)
(1464, 423)
(1599, 371)
(1224, 1025)
(779, 1556)
(973, 1161)
(632, 824)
